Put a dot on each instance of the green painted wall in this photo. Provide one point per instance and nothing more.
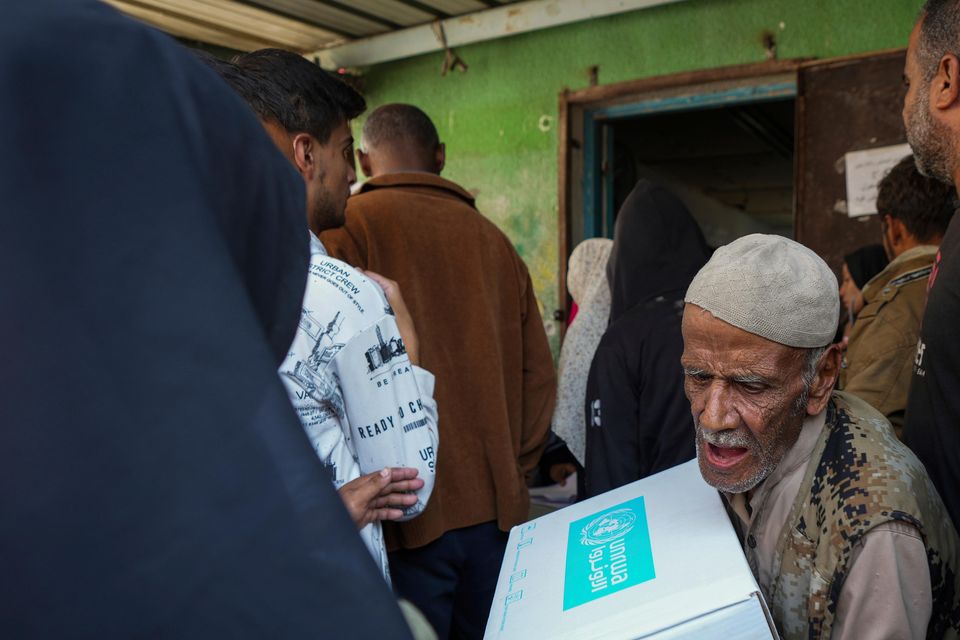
(489, 116)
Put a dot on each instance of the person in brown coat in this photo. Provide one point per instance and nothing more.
(481, 334)
(915, 212)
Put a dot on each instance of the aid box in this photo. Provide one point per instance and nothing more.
(657, 558)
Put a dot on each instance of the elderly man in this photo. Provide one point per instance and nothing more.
(841, 525)
(931, 113)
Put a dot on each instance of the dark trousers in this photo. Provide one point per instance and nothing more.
(452, 579)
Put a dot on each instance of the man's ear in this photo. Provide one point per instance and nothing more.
(946, 84)
(896, 232)
(440, 157)
(364, 160)
(305, 154)
(827, 371)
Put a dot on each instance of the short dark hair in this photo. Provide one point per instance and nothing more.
(401, 123)
(939, 34)
(296, 93)
(264, 100)
(924, 205)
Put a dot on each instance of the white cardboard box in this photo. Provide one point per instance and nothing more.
(657, 558)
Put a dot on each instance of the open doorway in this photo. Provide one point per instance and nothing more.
(731, 165)
(722, 139)
(726, 148)
(757, 147)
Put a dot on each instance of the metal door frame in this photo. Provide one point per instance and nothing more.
(582, 115)
(598, 140)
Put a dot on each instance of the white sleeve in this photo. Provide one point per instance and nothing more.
(887, 592)
(318, 403)
(391, 417)
(426, 382)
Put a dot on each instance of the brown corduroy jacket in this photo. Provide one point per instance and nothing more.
(480, 334)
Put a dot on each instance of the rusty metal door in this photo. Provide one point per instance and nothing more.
(842, 105)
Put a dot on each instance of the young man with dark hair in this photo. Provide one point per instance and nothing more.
(352, 371)
(915, 211)
(471, 293)
(307, 112)
(931, 114)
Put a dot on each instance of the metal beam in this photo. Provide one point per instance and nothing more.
(489, 24)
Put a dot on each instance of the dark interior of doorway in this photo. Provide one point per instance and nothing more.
(732, 165)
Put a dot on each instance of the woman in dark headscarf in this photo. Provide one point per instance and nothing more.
(638, 419)
(155, 481)
(859, 267)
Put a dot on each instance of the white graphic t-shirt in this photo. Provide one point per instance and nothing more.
(362, 403)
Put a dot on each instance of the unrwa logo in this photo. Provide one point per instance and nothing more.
(608, 527)
(614, 553)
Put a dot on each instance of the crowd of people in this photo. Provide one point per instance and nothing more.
(239, 401)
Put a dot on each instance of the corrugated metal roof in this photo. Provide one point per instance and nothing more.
(299, 25)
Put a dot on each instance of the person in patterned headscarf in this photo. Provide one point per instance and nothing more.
(587, 283)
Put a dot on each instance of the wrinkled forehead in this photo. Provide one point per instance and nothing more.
(709, 341)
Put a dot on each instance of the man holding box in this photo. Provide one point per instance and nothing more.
(841, 525)
(352, 371)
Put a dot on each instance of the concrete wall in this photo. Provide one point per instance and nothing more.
(501, 147)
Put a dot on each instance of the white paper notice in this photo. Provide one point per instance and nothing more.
(865, 170)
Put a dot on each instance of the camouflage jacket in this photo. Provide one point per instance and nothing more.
(879, 361)
(860, 476)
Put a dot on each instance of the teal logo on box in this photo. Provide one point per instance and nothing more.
(607, 552)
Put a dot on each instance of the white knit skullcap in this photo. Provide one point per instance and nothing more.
(771, 287)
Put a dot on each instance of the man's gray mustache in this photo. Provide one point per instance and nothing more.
(727, 438)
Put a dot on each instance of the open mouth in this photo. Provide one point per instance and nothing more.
(725, 457)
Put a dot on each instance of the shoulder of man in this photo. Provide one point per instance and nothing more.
(864, 477)
(912, 280)
(336, 285)
(397, 185)
(906, 281)
(890, 461)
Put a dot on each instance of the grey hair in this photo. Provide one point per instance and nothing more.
(808, 375)
(939, 34)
